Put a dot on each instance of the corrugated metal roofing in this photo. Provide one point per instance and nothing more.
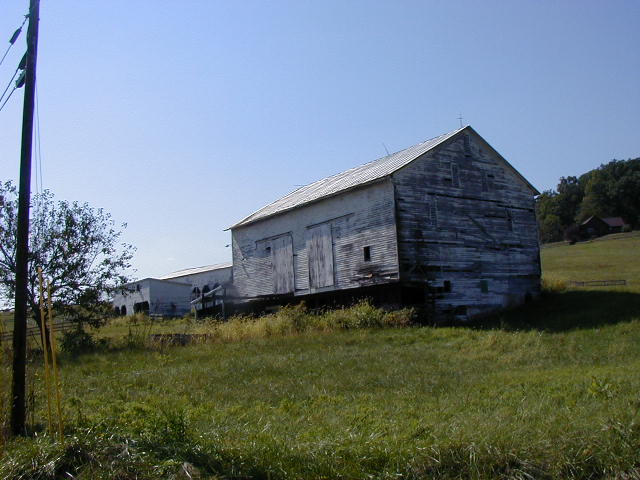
(193, 271)
(614, 221)
(346, 180)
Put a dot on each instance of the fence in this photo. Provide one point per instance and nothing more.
(598, 283)
(33, 331)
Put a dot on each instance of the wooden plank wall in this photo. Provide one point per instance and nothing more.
(465, 218)
(363, 217)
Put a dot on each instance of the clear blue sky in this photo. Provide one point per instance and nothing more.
(181, 117)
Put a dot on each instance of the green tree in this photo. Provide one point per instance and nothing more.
(78, 248)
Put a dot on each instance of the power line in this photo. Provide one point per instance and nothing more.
(19, 82)
(9, 84)
(8, 97)
(13, 38)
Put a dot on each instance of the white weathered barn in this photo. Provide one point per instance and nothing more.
(176, 293)
(448, 223)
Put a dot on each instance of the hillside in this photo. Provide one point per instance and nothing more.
(545, 391)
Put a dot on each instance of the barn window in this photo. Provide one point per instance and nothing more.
(484, 286)
(485, 182)
(367, 254)
(447, 286)
(455, 176)
(141, 307)
(509, 220)
(467, 146)
(123, 310)
(489, 178)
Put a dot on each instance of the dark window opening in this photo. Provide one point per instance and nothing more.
(467, 146)
(205, 289)
(123, 310)
(195, 293)
(484, 286)
(447, 286)
(417, 234)
(460, 310)
(489, 179)
(455, 177)
(138, 287)
(367, 254)
(141, 307)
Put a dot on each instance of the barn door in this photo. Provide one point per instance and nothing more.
(282, 264)
(320, 247)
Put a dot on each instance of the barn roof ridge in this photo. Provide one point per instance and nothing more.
(359, 176)
(353, 177)
(194, 270)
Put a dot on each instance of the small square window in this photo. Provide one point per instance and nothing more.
(484, 286)
(367, 254)
(447, 286)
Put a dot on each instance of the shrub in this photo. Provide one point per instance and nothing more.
(553, 284)
(77, 341)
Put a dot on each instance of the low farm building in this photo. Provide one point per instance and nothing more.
(176, 293)
(447, 223)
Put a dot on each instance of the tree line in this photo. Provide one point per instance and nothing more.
(611, 190)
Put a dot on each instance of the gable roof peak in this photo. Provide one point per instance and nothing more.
(358, 176)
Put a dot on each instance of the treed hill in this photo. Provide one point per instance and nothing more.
(611, 190)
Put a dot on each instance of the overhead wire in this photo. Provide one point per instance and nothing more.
(9, 84)
(13, 38)
(18, 83)
(8, 97)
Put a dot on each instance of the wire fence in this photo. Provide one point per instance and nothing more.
(33, 331)
(598, 283)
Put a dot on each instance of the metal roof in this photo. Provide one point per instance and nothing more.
(614, 221)
(361, 175)
(193, 271)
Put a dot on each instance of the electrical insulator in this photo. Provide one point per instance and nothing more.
(20, 80)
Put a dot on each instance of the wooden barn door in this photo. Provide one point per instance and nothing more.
(320, 248)
(282, 264)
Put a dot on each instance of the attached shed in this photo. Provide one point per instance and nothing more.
(203, 279)
(447, 223)
(176, 293)
(153, 297)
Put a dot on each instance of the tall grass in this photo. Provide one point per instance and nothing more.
(548, 391)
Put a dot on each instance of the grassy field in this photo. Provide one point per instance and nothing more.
(546, 391)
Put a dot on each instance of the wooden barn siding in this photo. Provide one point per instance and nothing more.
(464, 234)
(363, 217)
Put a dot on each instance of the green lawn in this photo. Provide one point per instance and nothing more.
(546, 391)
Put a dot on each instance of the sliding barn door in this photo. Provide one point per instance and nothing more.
(320, 247)
(282, 264)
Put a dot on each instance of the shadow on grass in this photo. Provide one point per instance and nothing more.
(569, 310)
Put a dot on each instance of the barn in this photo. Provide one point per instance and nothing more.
(448, 224)
(174, 294)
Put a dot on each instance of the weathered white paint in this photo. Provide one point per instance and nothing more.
(363, 217)
(164, 297)
(457, 221)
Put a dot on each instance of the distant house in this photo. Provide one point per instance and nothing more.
(176, 293)
(447, 223)
(595, 226)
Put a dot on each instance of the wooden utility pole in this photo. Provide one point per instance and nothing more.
(18, 390)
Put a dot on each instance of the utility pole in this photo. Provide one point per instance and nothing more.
(18, 390)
